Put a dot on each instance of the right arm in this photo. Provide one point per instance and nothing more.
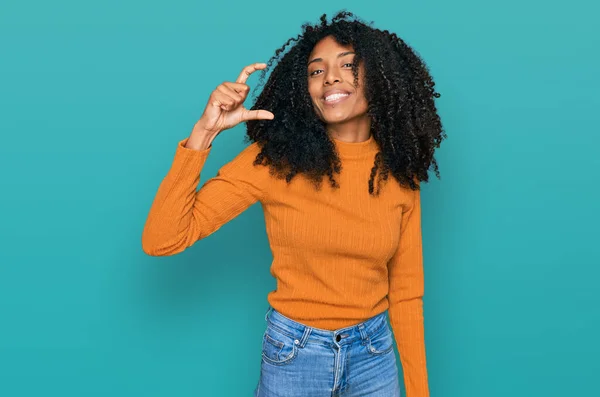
(180, 215)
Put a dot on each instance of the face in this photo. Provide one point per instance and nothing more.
(330, 72)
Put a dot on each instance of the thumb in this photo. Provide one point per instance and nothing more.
(257, 115)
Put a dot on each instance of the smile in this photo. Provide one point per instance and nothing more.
(335, 98)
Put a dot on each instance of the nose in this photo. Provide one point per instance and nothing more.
(331, 76)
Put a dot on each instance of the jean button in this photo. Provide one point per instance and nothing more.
(338, 338)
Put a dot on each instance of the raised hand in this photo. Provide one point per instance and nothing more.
(225, 107)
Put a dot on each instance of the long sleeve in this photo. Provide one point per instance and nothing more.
(180, 214)
(405, 296)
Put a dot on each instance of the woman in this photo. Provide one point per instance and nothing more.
(356, 104)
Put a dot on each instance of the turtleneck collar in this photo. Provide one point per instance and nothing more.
(356, 150)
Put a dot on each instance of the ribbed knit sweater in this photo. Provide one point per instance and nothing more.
(340, 255)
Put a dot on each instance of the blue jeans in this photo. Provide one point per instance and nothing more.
(303, 361)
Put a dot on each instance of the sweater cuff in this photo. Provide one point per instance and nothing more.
(188, 160)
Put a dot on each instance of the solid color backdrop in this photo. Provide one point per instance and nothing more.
(94, 98)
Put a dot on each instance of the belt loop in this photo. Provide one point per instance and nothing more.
(305, 335)
(363, 332)
(267, 313)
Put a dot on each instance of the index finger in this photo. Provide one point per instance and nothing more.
(248, 70)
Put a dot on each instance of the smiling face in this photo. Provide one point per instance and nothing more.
(330, 83)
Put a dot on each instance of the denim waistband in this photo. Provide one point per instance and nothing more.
(347, 335)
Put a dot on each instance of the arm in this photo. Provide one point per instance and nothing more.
(180, 215)
(405, 296)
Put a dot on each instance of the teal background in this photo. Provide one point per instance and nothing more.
(94, 97)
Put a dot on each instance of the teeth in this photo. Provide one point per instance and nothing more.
(334, 97)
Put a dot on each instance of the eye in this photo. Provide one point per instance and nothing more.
(314, 71)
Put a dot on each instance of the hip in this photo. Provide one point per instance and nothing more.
(299, 360)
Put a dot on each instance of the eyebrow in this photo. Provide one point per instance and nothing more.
(341, 54)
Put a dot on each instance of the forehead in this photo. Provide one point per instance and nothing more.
(328, 47)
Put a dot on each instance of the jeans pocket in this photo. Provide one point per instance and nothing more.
(381, 341)
(278, 347)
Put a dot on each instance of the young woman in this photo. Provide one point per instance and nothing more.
(355, 104)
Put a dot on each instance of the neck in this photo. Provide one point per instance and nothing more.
(354, 130)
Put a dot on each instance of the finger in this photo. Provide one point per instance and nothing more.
(222, 100)
(248, 70)
(230, 93)
(240, 88)
(257, 115)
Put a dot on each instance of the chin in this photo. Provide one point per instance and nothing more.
(335, 113)
(339, 117)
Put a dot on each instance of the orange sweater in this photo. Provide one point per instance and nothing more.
(340, 256)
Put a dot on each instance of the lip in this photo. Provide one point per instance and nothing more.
(330, 92)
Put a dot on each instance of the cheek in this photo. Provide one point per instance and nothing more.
(316, 104)
(313, 94)
(360, 96)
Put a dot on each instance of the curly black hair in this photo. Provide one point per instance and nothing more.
(400, 96)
